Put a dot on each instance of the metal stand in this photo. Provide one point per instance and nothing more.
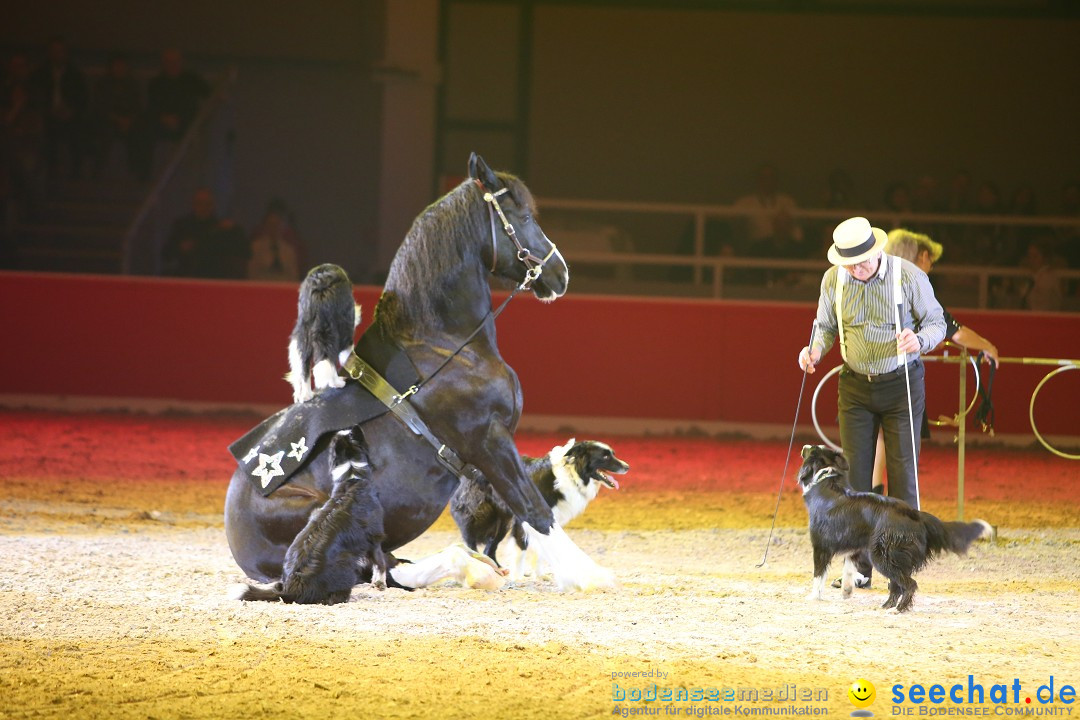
(961, 434)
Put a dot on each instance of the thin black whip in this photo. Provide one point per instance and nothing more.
(791, 443)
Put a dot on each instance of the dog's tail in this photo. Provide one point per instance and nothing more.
(954, 537)
(273, 592)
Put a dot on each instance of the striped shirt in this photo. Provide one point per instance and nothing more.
(870, 317)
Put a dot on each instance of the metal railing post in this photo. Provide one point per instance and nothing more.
(961, 435)
(699, 244)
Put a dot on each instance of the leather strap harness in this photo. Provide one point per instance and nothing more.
(359, 370)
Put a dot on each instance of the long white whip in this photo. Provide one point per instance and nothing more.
(910, 410)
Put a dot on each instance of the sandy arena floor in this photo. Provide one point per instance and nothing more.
(114, 594)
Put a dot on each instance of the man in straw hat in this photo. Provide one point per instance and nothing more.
(861, 296)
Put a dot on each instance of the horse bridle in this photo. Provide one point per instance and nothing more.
(533, 264)
(360, 370)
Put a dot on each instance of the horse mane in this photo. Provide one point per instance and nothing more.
(444, 240)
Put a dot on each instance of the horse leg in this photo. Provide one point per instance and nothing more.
(573, 569)
(456, 563)
(505, 472)
(502, 466)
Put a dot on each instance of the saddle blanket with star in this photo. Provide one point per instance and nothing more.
(275, 449)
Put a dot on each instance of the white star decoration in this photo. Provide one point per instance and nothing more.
(298, 449)
(269, 467)
(251, 454)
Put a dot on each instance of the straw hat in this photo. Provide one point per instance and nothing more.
(854, 241)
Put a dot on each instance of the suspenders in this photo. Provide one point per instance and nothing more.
(841, 276)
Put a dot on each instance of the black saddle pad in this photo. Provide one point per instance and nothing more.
(272, 451)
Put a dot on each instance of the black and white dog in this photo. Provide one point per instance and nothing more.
(568, 477)
(899, 539)
(342, 541)
(322, 338)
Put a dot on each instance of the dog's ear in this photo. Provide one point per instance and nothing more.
(560, 452)
(840, 462)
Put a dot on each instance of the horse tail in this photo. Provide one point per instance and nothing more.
(273, 592)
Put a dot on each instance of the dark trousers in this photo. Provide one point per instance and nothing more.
(867, 405)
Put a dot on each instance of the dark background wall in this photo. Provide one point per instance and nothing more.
(684, 104)
(306, 109)
(637, 100)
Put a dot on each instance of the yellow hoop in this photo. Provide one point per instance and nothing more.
(1031, 413)
(813, 409)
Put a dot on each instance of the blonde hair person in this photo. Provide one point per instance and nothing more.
(914, 247)
(924, 252)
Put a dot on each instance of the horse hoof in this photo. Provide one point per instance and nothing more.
(597, 578)
(477, 570)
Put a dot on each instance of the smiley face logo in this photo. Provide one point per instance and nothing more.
(862, 693)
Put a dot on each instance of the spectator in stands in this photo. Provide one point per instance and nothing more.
(924, 197)
(59, 89)
(202, 245)
(21, 137)
(770, 227)
(1017, 237)
(276, 252)
(115, 111)
(1069, 235)
(991, 244)
(173, 98)
(1044, 291)
(840, 193)
(959, 200)
(897, 200)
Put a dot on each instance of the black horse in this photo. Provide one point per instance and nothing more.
(436, 295)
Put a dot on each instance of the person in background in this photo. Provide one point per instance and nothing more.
(59, 87)
(22, 137)
(770, 227)
(276, 253)
(115, 112)
(919, 249)
(1044, 291)
(203, 245)
(173, 98)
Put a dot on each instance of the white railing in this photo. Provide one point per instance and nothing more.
(599, 249)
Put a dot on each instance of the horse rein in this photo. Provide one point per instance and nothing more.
(532, 263)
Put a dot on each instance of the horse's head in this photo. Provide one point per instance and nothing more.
(519, 250)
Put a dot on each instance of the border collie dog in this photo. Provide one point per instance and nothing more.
(342, 540)
(322, 338)
(568, 477)
(899, 539)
